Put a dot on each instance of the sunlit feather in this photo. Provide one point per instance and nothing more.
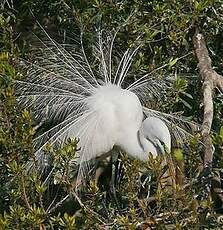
(62, 87)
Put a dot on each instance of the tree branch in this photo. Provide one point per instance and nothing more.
(211, 80)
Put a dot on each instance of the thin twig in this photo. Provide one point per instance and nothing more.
(25, 195)
(99, 217)
(51, 204)
(167, 64)
(58, 204)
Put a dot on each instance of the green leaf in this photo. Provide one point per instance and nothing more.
(185, 103)
(188, 95)
(196, 5)
(172, 62)
(221, 132)
(178, 154)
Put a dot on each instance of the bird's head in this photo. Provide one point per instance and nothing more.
(154, 136)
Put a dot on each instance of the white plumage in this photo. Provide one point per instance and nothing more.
(100, 108)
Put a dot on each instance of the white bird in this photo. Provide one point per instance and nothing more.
(100, 108)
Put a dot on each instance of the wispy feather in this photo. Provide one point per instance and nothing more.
(62, 87)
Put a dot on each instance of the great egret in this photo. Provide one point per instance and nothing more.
(100, 108)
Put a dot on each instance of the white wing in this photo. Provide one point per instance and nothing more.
(96, 138)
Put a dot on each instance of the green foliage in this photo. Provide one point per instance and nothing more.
(16, 129)
(165, 29)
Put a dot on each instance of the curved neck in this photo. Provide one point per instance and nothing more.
(146, 145)
(137, 146)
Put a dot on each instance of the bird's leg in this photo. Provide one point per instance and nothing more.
(148, 181)
(145, 188)
(114, 158)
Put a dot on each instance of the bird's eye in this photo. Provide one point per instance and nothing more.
(162, 143)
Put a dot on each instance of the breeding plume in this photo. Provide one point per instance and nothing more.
(100, 107)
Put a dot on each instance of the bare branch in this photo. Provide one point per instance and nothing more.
(99, 218)
(58, 204)
(211, 80)
(25, 198)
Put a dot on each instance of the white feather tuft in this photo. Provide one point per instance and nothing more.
(62, 87)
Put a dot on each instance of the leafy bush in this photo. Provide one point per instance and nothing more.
(165, 29)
